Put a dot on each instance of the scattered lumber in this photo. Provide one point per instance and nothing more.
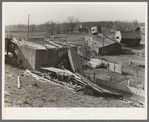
(42, 78)
(92, 85)
(55, 44)
(61, 72)
(74, 81)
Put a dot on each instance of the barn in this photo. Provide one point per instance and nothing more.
(128, 37)
(106, 47)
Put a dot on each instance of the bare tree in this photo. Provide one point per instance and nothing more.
(123, 25)
(72, 22)
(33, 28)
(66, 27)
(135, 24)
(52, 27)
(58, 29)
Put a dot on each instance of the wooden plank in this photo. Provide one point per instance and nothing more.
(70, 59)
(118, 68)
(94, 86)
(56, 70)
(18, 78)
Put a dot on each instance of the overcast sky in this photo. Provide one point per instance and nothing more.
(17, 13)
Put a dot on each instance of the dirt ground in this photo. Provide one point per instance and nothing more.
(34, 93)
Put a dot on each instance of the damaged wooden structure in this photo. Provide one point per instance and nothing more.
(10, 45)
(75, 81)
(33, 56)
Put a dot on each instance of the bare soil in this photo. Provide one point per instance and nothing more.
(34, 93)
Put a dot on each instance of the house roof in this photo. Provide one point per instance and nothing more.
(130, 34)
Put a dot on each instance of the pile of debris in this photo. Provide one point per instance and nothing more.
(75, 81)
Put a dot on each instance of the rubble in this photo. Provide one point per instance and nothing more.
(74, 81)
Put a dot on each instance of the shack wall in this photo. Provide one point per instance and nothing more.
(45, 58)
(51, 58)
(27, 56)
(111, 49)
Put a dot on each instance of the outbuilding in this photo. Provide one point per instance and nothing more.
(128, 37)
(34, 56)
(104, 46)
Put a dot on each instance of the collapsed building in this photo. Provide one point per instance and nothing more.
(33, 56)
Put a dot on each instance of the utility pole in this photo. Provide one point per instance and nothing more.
(103, 43)
(28, 26)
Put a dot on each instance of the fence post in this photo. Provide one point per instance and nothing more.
(110, 80)
(94, 78)
(137, 72)
(128, 82)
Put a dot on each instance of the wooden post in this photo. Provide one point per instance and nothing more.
(137, 71)
(128, 82)
(28, 27)
(94, 78)
(110, 80)
(103, 43)
(18, 82)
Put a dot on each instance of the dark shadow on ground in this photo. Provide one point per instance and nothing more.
(127, 52)
(126, 73)
(139, 47)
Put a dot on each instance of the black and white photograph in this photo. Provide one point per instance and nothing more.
(74, 60)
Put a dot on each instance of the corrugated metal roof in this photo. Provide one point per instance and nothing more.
(130, 34)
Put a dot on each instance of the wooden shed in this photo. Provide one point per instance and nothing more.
(128, 37)
(34, 56)
(106, 47)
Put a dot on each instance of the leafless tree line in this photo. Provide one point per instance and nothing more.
(73, 24)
